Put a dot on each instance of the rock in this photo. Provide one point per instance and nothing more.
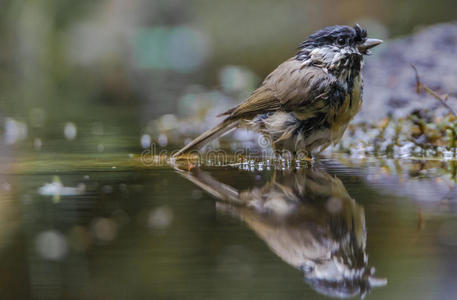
(390, 80)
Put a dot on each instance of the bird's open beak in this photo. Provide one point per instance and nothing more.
(369, 43)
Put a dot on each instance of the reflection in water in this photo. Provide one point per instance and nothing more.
(309, 220)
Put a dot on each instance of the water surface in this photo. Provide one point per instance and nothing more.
(116, 229)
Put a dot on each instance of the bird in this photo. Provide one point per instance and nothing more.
(307, 102)
(307, 218)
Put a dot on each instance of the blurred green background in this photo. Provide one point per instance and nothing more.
(86, 85)
(120, 64)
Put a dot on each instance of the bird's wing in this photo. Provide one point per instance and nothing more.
(261, 100)
(291, 86)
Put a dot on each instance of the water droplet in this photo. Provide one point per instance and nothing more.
(160, 218)
(145, 141)
(104, 229)
(51, 245)
(70, 131)
(163, 140)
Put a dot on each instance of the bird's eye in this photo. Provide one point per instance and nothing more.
(341, 41)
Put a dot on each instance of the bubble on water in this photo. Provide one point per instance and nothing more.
(70, 131)
(163, 140)
(104, 229)
(51, 245)
(160, 218)
(145, 141)
(15, 131)
(56, 188)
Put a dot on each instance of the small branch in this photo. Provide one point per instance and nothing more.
(441, 98)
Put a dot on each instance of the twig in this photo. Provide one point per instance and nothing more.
(441, 98)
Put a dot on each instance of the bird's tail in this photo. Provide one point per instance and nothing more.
(223, 128)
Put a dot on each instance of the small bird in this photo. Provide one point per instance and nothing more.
(308, 219)
(307, 102)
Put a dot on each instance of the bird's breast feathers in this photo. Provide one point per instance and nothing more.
(313, 126)
(340, 117)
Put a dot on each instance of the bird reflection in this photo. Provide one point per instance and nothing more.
(308, 219)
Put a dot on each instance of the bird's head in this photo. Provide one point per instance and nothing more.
(332, 46)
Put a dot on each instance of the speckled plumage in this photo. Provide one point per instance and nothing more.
(306, 103)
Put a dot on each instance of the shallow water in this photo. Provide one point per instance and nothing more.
(114, 228)
(85, 214)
